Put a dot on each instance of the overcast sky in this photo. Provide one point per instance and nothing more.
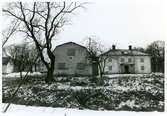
(120, 22)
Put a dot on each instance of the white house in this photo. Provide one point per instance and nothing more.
(126, 61)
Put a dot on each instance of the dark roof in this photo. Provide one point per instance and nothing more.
(70, 43)
(125, 52)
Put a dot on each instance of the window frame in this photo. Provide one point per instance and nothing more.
(110, 59)
(129, 59)
(142, 68)
(122, 59)
(60, 66)
(81, 66)
(110, 68)
(142, 60)
(71, 52)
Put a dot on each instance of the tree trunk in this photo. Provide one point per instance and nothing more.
(35, 67)
(101, 80)
(31, 69)
(21, 77)
(100, 71)
(50, 75)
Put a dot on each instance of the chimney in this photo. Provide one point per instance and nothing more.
(130, 47)
(113, 47)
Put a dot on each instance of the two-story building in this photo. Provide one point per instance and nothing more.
(73, 59)
(126, 61)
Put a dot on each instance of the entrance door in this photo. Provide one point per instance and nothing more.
(94, 69)
(126, 69)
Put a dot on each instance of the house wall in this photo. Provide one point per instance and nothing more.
(114, 63)
(134, 66)
(81, 56)
(146, 64)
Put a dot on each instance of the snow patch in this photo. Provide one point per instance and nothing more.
(22, 110)
(17, 75)
(129, 103)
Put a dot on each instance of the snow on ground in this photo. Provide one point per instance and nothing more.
(22, 110)
(134, 75)
(124, 75)
(17, 75)
(130, 103)
(66, 87)
(118, 85)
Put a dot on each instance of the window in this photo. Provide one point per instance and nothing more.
(110, 68)
(61, 66)
(129, 60)
(109, 59)
(142, 67)
(71, 52)
(122, 59)
(124, 52)
(141, 59)
(80, 66)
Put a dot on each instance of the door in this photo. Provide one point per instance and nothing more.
(94, 69)
(126, 69)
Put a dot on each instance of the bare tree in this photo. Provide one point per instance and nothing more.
(95, 50)
(41, 21)
(140, 49)
(102, 64)
(157, 51)
(22, 57)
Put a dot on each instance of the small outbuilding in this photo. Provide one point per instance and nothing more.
(7, 65)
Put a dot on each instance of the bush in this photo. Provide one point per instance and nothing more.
(130, 93)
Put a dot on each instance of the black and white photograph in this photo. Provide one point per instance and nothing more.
(83, 58)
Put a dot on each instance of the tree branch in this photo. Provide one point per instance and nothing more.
(52, 23)
(11, 32)
(33, 13)
(12, 14)
(33, 37)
